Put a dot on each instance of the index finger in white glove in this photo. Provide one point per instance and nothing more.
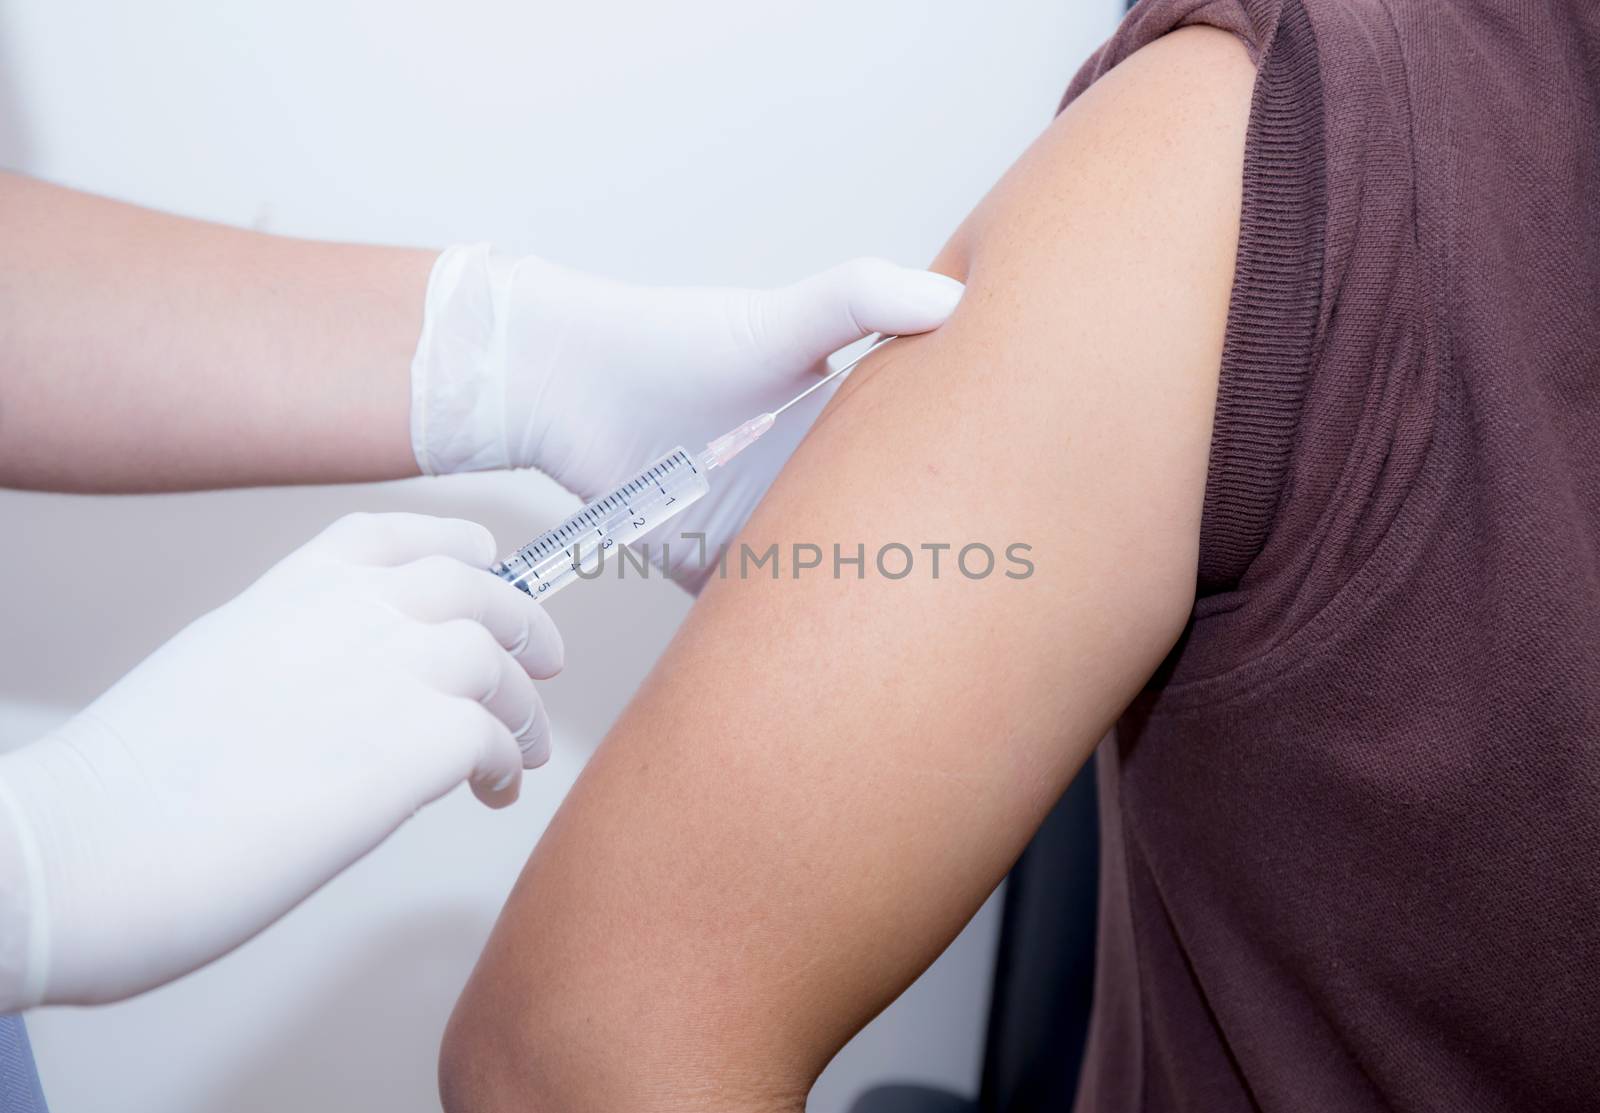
(438, 589)
(823, 313)
(461, 659)
(482, 751)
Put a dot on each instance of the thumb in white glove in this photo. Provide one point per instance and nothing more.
(261, 751)
(523, 363)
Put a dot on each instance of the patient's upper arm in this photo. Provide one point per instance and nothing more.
(824, 777)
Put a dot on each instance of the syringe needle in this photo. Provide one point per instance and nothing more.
(724, 448)
(832, 375)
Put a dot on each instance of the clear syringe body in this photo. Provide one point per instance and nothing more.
(657, 494)
(654, 496)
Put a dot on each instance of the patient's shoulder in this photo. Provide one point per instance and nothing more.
(1099, 271)
(1158, 140)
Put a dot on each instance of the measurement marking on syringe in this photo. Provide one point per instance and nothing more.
(662, 490)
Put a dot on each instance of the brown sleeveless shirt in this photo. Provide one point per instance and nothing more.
(1352, 828)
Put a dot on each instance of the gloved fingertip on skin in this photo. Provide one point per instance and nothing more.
(931, 299)
(906, 301)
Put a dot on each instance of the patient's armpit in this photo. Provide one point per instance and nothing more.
(826, 775)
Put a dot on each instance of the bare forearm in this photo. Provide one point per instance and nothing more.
(141, 351)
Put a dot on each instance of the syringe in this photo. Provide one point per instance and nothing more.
(658, 493)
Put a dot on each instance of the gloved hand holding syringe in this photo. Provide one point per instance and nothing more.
(659, 492)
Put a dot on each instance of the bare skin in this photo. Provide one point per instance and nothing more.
(824, 778)
(146, 352)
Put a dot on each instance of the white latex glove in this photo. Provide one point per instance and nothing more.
(261, 751)
(523, 363)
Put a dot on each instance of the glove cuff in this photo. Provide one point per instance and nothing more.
(458, 372)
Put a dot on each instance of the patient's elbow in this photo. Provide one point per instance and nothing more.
(572, 1043)
(536, 1044)
(489, 1061)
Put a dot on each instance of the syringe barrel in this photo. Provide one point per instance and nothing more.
(580, 544)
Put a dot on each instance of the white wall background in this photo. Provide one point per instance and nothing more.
(703, 141)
